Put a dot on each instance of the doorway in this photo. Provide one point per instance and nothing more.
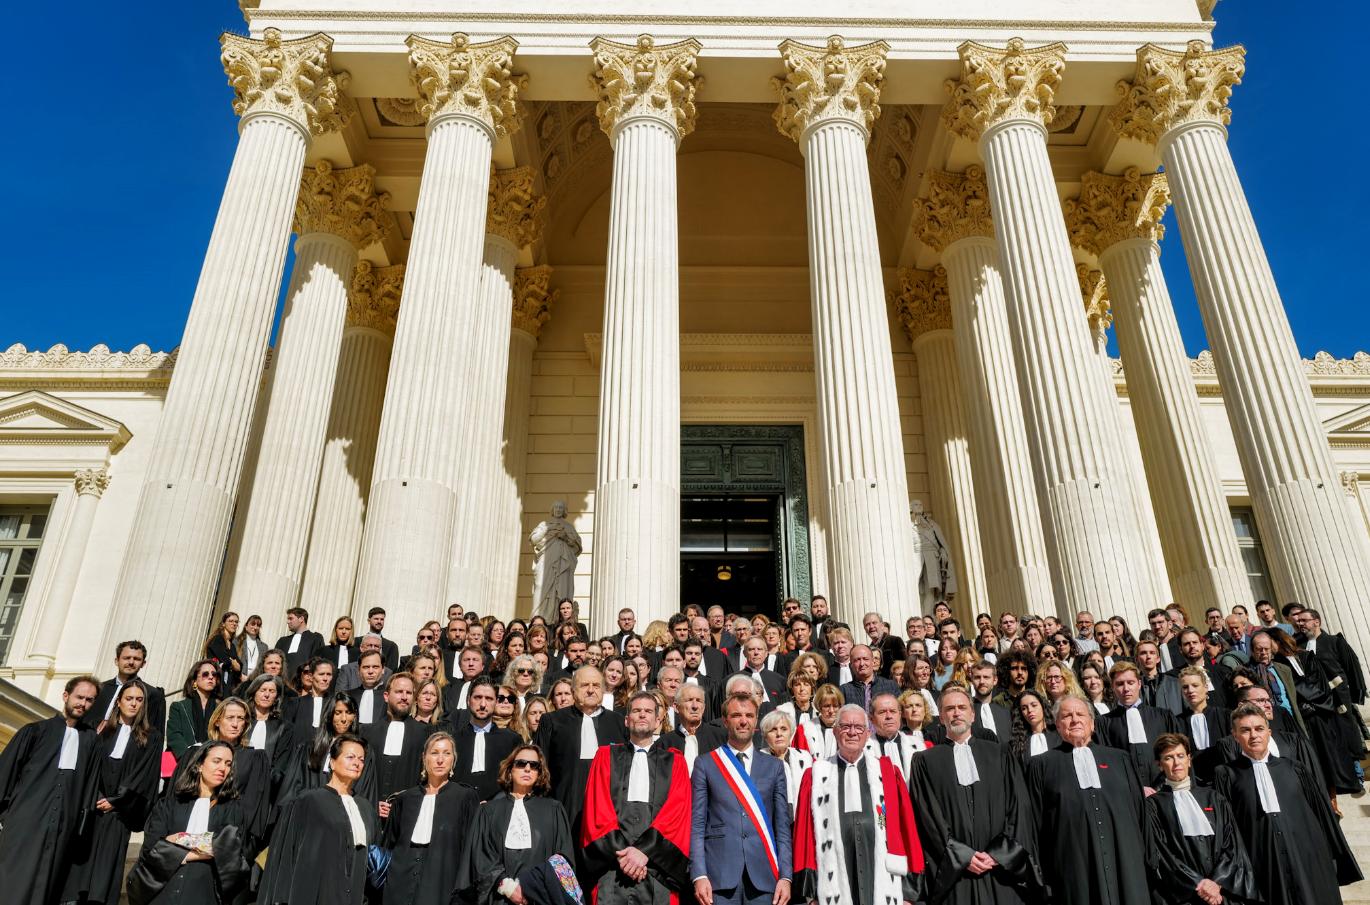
(728, 547)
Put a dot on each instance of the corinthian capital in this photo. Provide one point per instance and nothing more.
(533, 298)
(344, 203)
(957, 207)
(459, 78)
(92, 481)
(1175, 87)
(293, 79)
(1094, 291)
(1113, 208)
(514, 212)
(645, 80)
(922, 301)
(374, 301)
(998, 84)
(831, 82)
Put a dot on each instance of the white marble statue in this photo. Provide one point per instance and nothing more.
(556, 547)
(932, 556)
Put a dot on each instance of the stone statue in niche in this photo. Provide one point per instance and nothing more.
(932, 555)
(556, 548)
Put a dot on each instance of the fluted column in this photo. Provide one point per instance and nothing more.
(532, 306)
(285, 93)
(1118, 219)
(337, 215)
(646, 105)
(829, 101)
(468, 93)
(923, 305)
(90, 485)
(349, 451)
(1003, 101)
(1178, 101)
(513, 220)
(955, 220)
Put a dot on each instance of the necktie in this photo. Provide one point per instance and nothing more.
(258, 737)
(742, 759)
(1037, 744)
(318, 710)
(366, 711)
(519, 836)
(851, 791)
(118, 686)
(294, 644)
(691, 751)
(589, 740)
(868, 697)
(987, 718)
(342, 659)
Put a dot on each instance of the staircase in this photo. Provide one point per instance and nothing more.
(1355, 824)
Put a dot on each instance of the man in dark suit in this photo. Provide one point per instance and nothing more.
(1132, 726)
(742, 630)
(720, 633)
(772, 683)
(865, 684)
(819, 613)
(301, 644)
(390, 651)
(695, 674)
(715, 663)
(732, 861)
(570, 737)
(129, 659)
(801, 626)
(627, 622)
(1192, 654)
(840, 643)
(470, 664)
(481, 745)
(1159, 688)
(891, 646)
(985, 712)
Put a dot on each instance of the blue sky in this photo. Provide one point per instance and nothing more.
(121, 137)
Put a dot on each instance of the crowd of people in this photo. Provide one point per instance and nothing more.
(709, 758)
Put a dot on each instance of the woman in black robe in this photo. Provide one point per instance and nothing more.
(267, 730)
(251, 770)
(318, 852)
(309, 767)
(178, 865)
(1196, 853)
(1032, 732)
(518, 829)
(1204, 722)
(220, 648)
(427, 830)
(128, 756)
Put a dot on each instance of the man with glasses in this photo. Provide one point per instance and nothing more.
(1084, 632)
(1167, 642)
(481, 745)
(1283, 742)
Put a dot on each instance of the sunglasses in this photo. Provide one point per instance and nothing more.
(534, 765)
(208, 675)
(524, 671)
(505, 698)
(425, 637)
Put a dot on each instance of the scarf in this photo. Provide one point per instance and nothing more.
(1193, 822)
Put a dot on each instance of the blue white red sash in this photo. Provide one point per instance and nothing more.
(741, 783)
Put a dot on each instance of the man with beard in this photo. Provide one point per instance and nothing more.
(1191, 642)
(1131, 725)
(1334, 650)
(481, 746)
(394, 754)
(570, 737)
(47, 775)
(129, 659)
(818, 613)
(1088, 804)
(968, 796)
(990, 715)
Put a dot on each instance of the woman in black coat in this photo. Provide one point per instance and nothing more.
(267, 730)
(309, 767)
(128, 756)
(188, 719)
(193, 850)
(222, 649)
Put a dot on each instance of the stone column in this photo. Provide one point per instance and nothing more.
(923, 305)
(338, 214)
(468, 93)
(286, 94)
(1118, 219)
(532, 306)
(646, 105)
(1003, 101)
(513, 220)
(955, 220)
(349, 450)
(90, 486)
(828, 103)
(1178, 101)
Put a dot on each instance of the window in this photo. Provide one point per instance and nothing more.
(1249, 543)
(21, 534)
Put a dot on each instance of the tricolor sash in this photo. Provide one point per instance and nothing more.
(741, 783)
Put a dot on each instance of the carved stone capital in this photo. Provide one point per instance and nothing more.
(922, 301)
(1113, 208)
(293, 79)
(999, 84)
(92, 481)
(1094, 291)
(374, 301)
(459, 78)
(533, 298)
(344, 203)
(514, 212)
(643, 79)
(833, 82)
(1175, 87)
(1350, 482)
(957, 207)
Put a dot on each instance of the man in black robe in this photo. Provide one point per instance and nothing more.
(569, 739)
(301, 643)
(369, 696)
(691, 736)
(1334, 650)
(470, 664)
(1297, 849)
(1131, 725)
(1192, 653)
(985, 711)
(481, 745)
(1283, 742)
(47, 775)
(390, 651)
(394, 754)
(971, 808)
(1159, 689)
(129, 659)
(1090, 825)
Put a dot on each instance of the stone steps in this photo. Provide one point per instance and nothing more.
(1355, 824)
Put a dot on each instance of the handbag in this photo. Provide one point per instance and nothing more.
(377, 865)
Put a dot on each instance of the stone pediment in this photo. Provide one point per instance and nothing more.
(1350, 428)
(35, 416)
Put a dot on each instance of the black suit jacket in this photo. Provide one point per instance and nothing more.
(855, 693)
(772, 682)
(499, 744)
(716, 664)
(390, 654)
(310, 644)
(155, 704)
(710, 737)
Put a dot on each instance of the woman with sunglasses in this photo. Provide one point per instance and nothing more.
(507, 710)
(524, 676)
(188, 719)
(426, 829)
(426, 641)
(521, 827)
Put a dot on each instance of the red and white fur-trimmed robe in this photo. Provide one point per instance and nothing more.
(818, 821)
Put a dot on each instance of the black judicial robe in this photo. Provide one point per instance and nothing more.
(1292, 745)
(310, 644)
(40, 807)
(299, 776)
(163, 876)
(428, 873)
(155, 705)
(386, 774)
(558, 736)
(1219, 722)
(313, 860)
(1090, 841)
(1178, 862)
(499, 744)
(1333, 729)
(490, 862)
(299, 713)
(1342, 660)
(1110, 730)
(709, 736)
(377, 706)
(252, 777)
(1300, 855)
(129, 783)
(280, 744)
(1001, 731)
(956, 821)
(1217, 678)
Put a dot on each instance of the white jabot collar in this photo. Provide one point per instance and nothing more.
(967, 773)
(199, 817)
(1198, 732)
(354, 820)
(1086, 768)
(1136, 731)
(1187, 809)
(423, 827)
(71, 749)
(121, 742)
(1037, 744)
(1265, 786)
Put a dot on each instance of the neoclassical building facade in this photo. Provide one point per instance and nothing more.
(738, 290)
